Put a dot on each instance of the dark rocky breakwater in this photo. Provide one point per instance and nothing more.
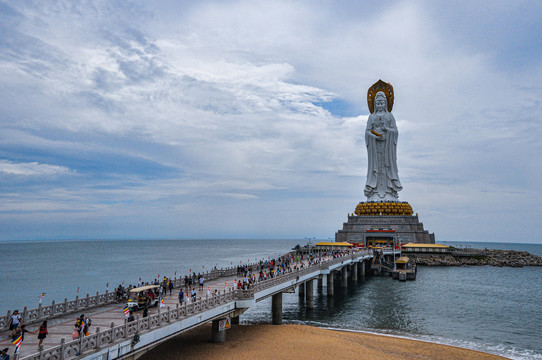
(477, 257)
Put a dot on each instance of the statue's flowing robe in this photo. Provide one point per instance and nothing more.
(390, 158)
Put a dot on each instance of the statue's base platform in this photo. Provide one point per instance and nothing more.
(369, 230)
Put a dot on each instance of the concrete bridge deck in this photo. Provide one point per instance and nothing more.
(111, 337)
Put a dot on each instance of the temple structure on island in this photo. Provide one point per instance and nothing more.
(382, 219)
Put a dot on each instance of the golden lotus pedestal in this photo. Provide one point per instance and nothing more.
(383, 208)
(392, 219)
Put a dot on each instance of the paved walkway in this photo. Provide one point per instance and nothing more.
(102, 317)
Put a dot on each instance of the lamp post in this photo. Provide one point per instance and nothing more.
(394, 245)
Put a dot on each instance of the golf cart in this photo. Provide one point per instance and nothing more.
(141, 296)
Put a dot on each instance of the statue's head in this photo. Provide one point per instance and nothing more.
(380, 101)
(384, 91)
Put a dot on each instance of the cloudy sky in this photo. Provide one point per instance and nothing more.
(245, 119)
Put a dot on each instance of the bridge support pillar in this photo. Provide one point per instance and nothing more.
(276, 308)
(217, 336)
(320, 283)
(355, 272)
(309, 302)
(329, 284)
(301, 288)
(362, 269)
(344, 277)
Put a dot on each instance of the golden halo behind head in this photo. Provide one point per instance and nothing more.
(386, 88)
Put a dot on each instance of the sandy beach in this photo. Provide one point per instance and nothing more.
(303, 342)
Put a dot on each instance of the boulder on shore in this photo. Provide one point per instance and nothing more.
(478, 257)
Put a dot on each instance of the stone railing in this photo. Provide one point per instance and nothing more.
(281, 278)
(116, 334)
(58, 309)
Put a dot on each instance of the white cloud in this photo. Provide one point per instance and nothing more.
(32, 169)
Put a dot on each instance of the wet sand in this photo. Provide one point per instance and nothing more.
(303, 342)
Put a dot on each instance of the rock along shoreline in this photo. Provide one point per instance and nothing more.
(478, 257)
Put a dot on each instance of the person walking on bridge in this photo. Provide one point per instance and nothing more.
(42, 333)
(194, 295)
(14, 321)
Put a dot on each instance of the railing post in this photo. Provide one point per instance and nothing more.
(125, 327)
(52, 308)
(98, 337)
(80, 344)
(24, 315)
(65, 305)
(39, 312)
(168, 315)
(88, 301)
(76, 302)
(112, 332)
(62, 348)
(159, 316)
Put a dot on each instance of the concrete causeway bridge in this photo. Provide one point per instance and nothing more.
(113, 337)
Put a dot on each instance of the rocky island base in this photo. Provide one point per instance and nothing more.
(478, 257)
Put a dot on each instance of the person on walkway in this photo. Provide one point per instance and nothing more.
(194, 295)
(119, 294)
(4, 354)
(75, 333)
(181, 296)
(131, 317)
(42, 333)
(80, 323)
(170, 286)
(14, 321)
(20, 332)
(146, 311)
(83, 324)
(201, 281)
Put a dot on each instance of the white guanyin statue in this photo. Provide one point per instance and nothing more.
(381, 139)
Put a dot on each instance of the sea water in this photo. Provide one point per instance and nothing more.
(492, 309)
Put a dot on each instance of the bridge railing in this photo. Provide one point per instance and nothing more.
(114, 334)
(29, 316)
(281, 278)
